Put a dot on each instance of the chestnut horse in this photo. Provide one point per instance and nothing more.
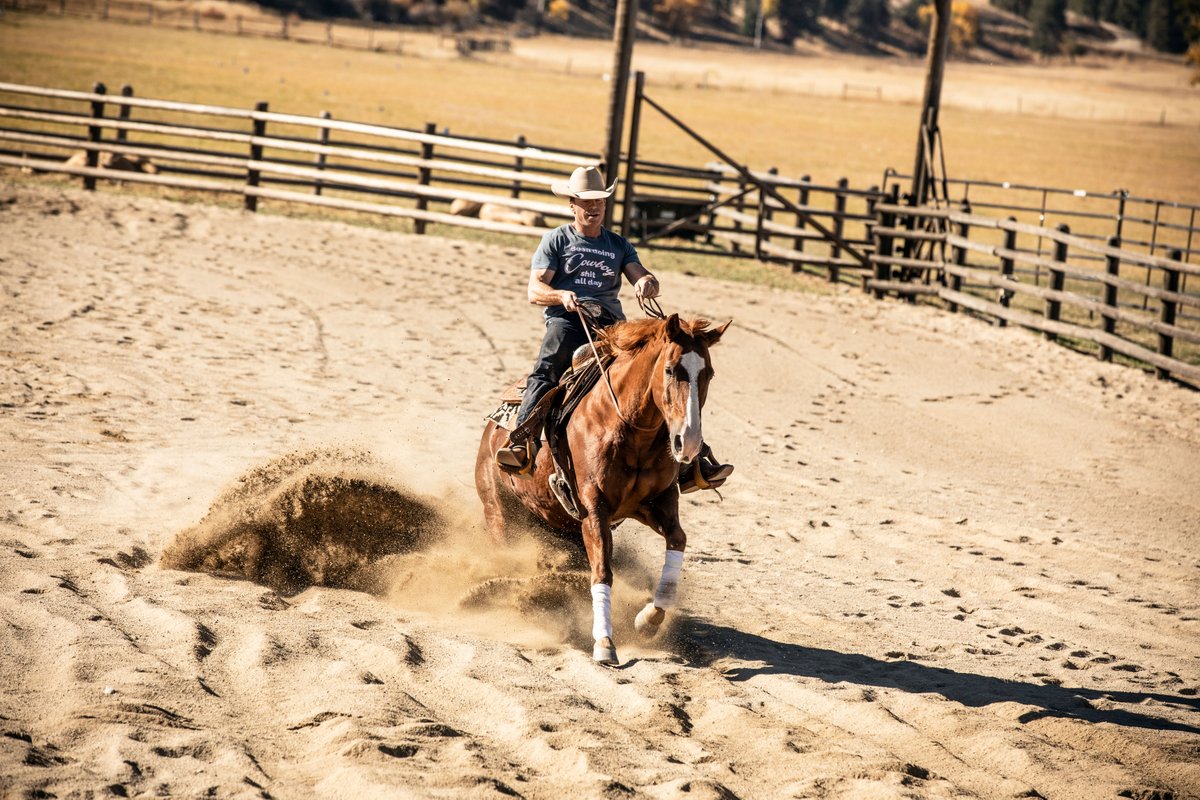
(627, 455)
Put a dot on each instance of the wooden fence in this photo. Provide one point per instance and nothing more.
(1135, 306)
(264, 155)
(1097, 295)
(343, 33)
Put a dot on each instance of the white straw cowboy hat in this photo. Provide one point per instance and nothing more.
(586, 183)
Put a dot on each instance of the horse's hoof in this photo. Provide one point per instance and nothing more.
(604, 653)
(648, 619)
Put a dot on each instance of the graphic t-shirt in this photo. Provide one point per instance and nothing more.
(589, 267)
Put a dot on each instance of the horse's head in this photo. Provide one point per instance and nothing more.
(685, 371)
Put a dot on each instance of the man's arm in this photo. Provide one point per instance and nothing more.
(644, 283)
(541, 293)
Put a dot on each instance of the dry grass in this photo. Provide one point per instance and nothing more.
(760, 123)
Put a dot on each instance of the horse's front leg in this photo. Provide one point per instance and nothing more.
(597, 540)
(664, 518)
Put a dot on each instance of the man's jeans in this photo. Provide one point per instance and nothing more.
(563, 336)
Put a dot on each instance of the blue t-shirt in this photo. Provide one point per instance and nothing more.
(589, 267)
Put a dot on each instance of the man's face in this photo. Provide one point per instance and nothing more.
(589, 214)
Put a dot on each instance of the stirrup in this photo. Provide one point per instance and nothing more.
(508, 460)
(565, 497)
(694, 479)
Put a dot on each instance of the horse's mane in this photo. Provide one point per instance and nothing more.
(633, 335)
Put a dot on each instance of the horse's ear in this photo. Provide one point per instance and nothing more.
(714, 336)
(673, 328)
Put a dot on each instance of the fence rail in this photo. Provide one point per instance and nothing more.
(976, 263)
(273, 155)
(1088, 287)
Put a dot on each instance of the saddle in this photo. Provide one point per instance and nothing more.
(548, 421)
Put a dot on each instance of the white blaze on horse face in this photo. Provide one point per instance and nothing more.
(689, 436)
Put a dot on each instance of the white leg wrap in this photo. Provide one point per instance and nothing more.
(601, 611)
(668, 582)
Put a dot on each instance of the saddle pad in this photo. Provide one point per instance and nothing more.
(515, 392)
(504, 415)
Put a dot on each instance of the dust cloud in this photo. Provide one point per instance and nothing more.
(339, 518)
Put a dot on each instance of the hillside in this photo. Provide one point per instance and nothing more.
(981, 31)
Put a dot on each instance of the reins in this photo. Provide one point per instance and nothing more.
(651, 308)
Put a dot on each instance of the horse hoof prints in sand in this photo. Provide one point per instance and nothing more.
(626, 457)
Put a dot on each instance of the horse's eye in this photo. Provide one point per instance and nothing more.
(669, 371)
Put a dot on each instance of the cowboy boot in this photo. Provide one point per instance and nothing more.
(706, 472)
(517, 458)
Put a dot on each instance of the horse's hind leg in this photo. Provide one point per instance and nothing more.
(488, 488)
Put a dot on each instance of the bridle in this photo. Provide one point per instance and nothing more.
(589, 310)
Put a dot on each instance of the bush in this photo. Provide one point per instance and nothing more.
(964, 24)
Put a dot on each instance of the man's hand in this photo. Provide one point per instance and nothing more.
(568, 300)
(646, 287)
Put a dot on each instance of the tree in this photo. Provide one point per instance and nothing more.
(834, 9)
(964, 24)
(1018, 7)
(1164, 28)
(868, 18)
(1088, 8)
(1049, 21)
(796, 17)
(1128, 14)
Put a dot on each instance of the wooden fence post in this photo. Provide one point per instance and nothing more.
(960, 255)
(1166, 316)
(839, 224)
(195, 20)
(802, 201)
(764, 216)
(95, 132)
(1054, 307)
(518, 166)
(884, 242)
(319, 184)
(256, 152)
(123, 113)
(1006, 269)
(1112, 265)
(631, 155)
(329, 34)
(239, 24)
(423, 175)
(283, 27)
(740, 207)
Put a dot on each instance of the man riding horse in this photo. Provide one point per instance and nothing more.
(578, 266)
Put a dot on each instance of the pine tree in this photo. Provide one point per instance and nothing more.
(1088, 8)
(1049, 21)
(1128, 14)
(868, 18)
(834, 9)
(1018, 7)
(796, 17)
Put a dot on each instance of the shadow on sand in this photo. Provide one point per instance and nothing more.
(702, 643)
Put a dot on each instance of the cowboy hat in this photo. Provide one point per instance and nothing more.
(586, 183)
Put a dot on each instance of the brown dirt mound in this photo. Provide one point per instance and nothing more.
(315, 518)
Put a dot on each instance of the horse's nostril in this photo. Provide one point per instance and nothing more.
(678, 443)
